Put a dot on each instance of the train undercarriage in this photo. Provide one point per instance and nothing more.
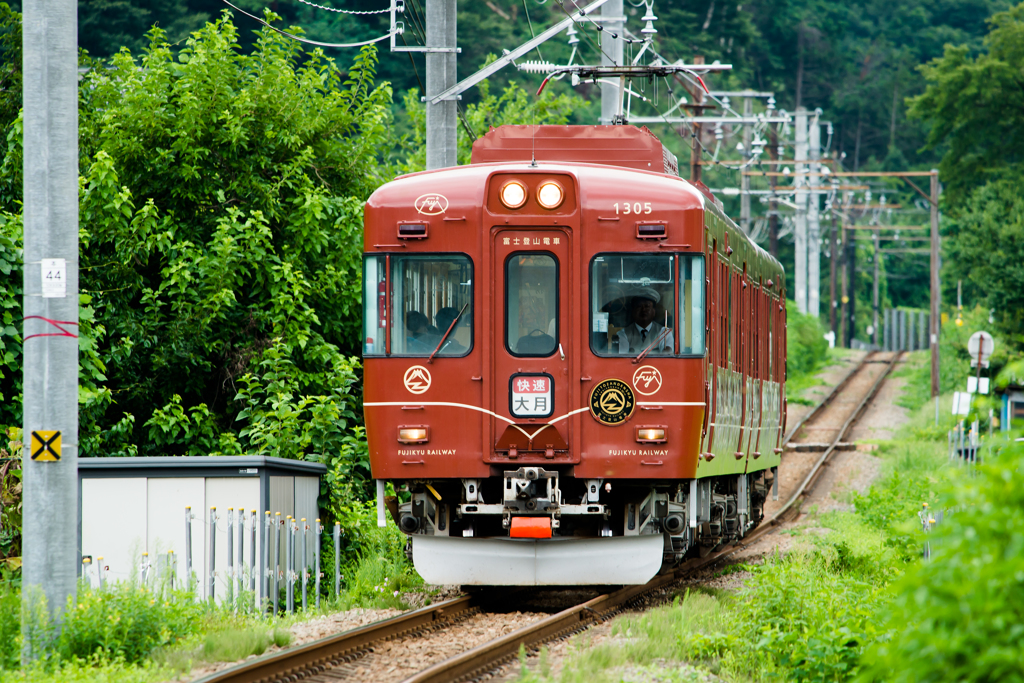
(538, 526)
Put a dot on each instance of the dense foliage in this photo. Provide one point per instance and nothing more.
(975, 105)
(806, 346)
(958, 617)
(220, 236)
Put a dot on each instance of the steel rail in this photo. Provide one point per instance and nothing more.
(493, 654)
(813, 413)
(318, 656)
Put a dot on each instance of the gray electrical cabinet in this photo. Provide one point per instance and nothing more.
(131, 506)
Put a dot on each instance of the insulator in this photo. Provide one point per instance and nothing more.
(725, 102)
(536, 67)
(771, 103)
(572, 34)
(648, 30)
(650, 13)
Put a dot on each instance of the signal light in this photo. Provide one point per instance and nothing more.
(550, 194)
(513, 194)
(413, 434)
(650, 435)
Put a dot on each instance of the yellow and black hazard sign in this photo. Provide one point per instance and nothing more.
(46, 446)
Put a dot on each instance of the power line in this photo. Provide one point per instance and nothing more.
(303, 40)
(345, 11)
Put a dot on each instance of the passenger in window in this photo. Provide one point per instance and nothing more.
(419, 336)
(644, 331)
(443, 319)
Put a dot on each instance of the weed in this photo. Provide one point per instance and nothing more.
(235, 644)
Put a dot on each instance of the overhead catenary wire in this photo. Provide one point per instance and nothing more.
(346, 11)
(304, 40)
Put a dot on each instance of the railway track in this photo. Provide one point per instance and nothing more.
(331, 659)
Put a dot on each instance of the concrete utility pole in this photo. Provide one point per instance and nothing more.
(813, 222)
(614, 21)
(833, 260)
(936, 323)
(800, 229)
(50, 332)
(442, 117)
(748, 112)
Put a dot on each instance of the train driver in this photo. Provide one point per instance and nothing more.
(643, 330)
(421, 337)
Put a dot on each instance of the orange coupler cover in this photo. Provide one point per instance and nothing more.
(530, 527)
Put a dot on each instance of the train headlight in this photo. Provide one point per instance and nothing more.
(650, 435)
(413, 434)
(513, 194)
(550, 194)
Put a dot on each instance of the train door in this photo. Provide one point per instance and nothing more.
(532, 310)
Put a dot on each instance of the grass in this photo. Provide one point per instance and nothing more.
(799, 383)
(807, 616)
(127, 632)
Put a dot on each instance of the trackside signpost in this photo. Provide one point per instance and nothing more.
(50, 304)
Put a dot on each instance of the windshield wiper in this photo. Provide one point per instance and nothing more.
(447, 332)
(665, 331)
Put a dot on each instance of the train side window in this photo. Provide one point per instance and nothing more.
(429, 292)
(531, 304)
(374, 305)
(691, 305)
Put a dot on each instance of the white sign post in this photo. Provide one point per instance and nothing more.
(980, 346)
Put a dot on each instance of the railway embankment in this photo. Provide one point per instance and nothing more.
(844, 590)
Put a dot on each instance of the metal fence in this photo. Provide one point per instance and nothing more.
(905, 329)
(288, 565)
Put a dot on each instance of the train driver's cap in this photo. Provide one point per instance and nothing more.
(648, 293)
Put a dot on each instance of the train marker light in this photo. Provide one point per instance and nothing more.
(650, 435)
(530, 527)
(513, 194)
(550, 194)
(413, 434)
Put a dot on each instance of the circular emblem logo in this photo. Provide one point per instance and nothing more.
(417, 379)
(612, 402)
(647, 380)
(431, 204)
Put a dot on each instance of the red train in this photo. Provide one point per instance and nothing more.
(574, 361)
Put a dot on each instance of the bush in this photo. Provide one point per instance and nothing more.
(806, 347)
(10, 625)
(382, 571)
(124, 621)
(959, 616)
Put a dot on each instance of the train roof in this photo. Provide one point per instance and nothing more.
(589, 152)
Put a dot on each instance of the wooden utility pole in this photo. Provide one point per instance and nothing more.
(697, 108)
(936, 326)
(874, 296)
(851, 277)
(773, 206)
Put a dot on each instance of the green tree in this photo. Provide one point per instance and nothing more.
(220, 228)
(975, 107)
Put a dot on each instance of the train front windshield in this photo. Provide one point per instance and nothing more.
(647, 302)
(430, 294)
